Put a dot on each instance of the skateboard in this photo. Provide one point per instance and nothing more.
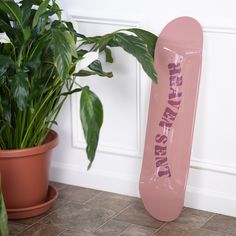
(172, 108)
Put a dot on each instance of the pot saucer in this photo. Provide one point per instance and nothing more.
(22, 213)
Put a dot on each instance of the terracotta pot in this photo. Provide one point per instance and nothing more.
(25, 173)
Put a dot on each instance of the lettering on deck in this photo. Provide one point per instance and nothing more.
(167, 120)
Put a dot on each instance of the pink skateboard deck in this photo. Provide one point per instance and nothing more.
(171, 118)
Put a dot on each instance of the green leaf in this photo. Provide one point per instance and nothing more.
(73, 31)
(4, 27)
(43, 20)
(26, 33)
(42, 8)
(138, 49)
(40, 46)
(91, 115)
(4, 17)
(84, 73)
(108, 54)
(56, 9)
(64, 46)
(148, 38)
(96, 66)
(3, 215)
(20, 89)
(12, 9)
(5, 63)
(71, 41)
(104, 41)
(26, 6)
(6, 109)
(71, 92)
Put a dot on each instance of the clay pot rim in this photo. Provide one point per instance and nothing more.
(27, 152)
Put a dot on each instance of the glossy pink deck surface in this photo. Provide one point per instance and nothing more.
(171, 116)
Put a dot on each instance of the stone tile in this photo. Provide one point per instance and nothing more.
(112, 201)
(60, 202)
(32, 220)
(73, 233)
(56, 205)
(15, 228)
(136, 214)
(191, 211)
(77, 218)
(221, 223)
(191, 218)
(179, 230)
(58, 185)
(112, 227)
(137, 230)
(39, 229)
(77, 194)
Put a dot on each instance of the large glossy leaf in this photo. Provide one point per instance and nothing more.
(4, 17)
(91, 115)
(77, 90)
(73, 31)
(6, 109)
(5, 63)
(56, 9)
(96, 66)
(64, 48)
(3, 215)
(138, 49)
(148, 38)
(72, 45)
(39, 46)
(42, 8)
(11, 8)
(5, 26)
(26, 6)
(84, 73)
(20, 89)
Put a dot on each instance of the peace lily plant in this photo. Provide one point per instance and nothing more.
(3, 215)
(41, 60)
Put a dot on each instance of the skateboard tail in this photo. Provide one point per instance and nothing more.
(171, 118)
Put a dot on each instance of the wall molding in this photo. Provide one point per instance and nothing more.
(212, 166)
(105, 147)
(76, 16)
(219, 30)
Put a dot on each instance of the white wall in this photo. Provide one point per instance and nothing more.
(125, 98)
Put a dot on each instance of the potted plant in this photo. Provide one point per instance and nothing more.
(3, 215)
(41, 58)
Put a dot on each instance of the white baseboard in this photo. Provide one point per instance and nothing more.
(101, 180)
(206, 200)
(198, 197)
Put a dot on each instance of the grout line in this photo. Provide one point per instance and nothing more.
(164, 224)
(37, 221)
(208, 220)
(116, 214)
(62, 232)
(90, 199)
(21, 231)
(53, 211)
(124, 229)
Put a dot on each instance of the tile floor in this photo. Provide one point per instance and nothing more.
(86, 212)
